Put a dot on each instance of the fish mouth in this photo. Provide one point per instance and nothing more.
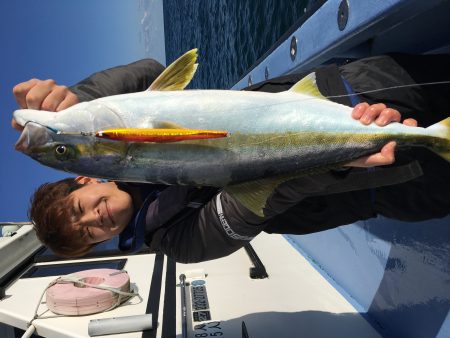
(33, 135)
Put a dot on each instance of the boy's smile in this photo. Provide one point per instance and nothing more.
(100, 210)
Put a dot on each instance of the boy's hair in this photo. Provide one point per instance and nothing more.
(50, 211)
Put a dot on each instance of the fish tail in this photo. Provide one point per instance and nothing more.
(441, 144)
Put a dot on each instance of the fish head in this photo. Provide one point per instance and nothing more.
(82, 117)
(43, 144)
(79, 154)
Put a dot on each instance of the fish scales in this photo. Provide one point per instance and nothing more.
(301, 132)
(269, 134)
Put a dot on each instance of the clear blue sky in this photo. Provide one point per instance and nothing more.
(65, 41)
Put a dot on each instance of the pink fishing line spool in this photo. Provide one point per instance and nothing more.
(69, 297)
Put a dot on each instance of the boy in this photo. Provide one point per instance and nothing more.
(186, 223)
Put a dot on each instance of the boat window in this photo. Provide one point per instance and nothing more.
(67, 268)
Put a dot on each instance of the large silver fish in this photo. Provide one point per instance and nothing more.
(261, 140)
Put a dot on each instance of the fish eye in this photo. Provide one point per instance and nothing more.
(61, 149)
(63, 152)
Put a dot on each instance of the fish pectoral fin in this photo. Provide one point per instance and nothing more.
(158, 135)
(308, 86)
(167, 125)
(178, 74)
(254, 194)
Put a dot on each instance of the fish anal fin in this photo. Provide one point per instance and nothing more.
(445, 154)
(254, 194)
(178, 74)
(308, 86)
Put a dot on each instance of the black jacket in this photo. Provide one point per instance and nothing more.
(187, 224)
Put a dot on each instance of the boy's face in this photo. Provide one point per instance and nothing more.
(99, 210)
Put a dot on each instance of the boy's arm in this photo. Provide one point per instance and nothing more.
(48, 95)
(42, 95)
(382, 116)
(131, 78)
(222, 225)
(215, 230)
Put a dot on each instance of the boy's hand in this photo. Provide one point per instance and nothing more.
(382, 116)
(42, 95)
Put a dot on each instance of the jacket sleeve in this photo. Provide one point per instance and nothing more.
(222, 225)
(130, 78)
(217, 229)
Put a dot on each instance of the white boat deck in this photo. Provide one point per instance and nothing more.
(295, 301)
(15, 248)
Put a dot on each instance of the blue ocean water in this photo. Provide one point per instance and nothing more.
(230, 34)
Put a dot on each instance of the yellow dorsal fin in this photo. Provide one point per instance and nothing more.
(178, 75)
(308, 86)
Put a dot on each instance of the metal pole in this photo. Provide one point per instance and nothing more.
(183, 306)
